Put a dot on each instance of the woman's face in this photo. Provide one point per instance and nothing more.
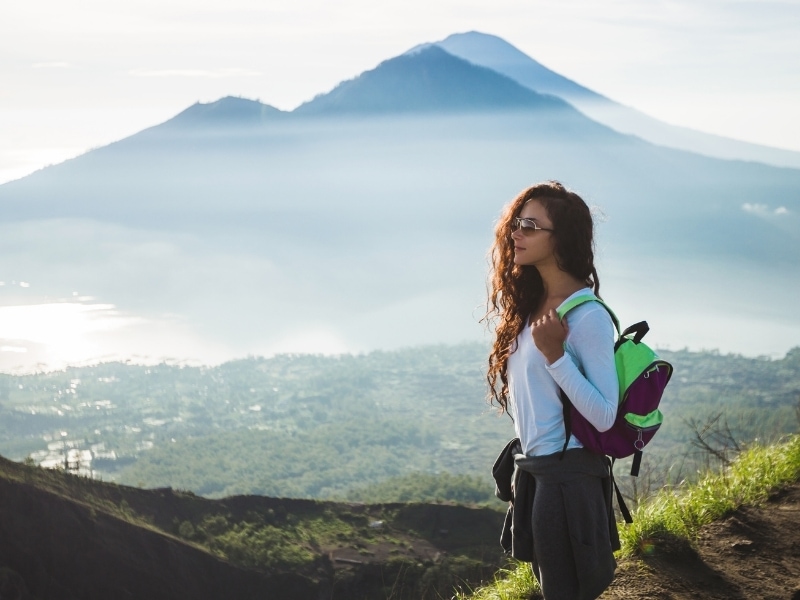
(533, 246)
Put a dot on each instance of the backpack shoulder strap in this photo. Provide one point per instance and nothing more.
(583, 299)
(566, 404)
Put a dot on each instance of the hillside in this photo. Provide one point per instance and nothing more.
(65, 537)
(752, 553)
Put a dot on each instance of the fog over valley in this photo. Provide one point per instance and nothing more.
(362, 220)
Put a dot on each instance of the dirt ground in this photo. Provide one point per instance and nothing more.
(752, 554)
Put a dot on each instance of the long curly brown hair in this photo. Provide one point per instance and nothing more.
(516, 291)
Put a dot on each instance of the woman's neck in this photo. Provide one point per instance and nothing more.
(559, 285)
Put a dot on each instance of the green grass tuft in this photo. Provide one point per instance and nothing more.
(514, 583)
(681, 512)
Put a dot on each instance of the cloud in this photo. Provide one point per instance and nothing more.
(206, 73)
(17, 349)
(759, 209)
(55, 64)
(763, 209)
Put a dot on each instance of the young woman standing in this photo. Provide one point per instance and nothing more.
(542, 257)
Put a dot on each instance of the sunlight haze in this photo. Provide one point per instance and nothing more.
(235, 229)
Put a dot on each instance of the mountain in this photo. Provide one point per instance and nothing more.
(495, 53)
(498, 55)
(429, 79)
(361, 220)
(227, 112)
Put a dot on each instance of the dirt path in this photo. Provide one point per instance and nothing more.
(752, 554)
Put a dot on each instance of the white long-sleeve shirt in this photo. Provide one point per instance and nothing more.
(586, 373)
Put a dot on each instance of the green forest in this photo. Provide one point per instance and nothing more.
(407, 425)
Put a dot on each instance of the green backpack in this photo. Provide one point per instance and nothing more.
(642, 378)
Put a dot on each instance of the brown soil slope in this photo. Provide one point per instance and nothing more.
(64, 537)
(754, 553)
(53, 547)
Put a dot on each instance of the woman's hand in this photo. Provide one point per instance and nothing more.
(549, 334)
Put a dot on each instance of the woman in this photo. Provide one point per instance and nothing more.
(542, 257)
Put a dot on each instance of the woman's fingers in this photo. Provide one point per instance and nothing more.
(549, 334)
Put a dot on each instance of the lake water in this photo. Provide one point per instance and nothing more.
(735, 309)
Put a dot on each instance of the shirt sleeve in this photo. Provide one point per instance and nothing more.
(587, 372)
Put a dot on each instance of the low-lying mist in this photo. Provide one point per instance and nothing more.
(350, 235)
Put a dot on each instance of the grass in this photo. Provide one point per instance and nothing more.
(681, 511)
(751, 478)
(509, 584)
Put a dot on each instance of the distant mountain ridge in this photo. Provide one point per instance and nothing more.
(433, 77)
(424, 80)
(428, 80)
(495, 53)
(227, 111)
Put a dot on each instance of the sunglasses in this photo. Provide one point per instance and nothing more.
(526, 225)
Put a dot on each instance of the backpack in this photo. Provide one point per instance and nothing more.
(642, 378)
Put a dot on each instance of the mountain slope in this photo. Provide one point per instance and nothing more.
(497, 54)
(54, 547)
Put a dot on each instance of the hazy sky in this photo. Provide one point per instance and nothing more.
(78, 74)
